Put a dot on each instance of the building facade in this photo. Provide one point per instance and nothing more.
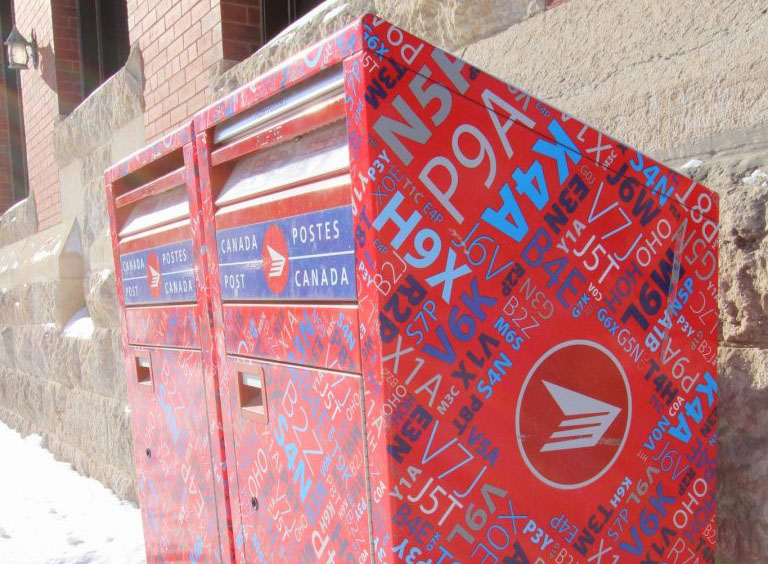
(687, 84)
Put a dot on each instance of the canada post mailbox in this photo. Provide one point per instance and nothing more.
(453, 323)
(175, 419)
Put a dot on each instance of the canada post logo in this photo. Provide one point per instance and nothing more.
(154, 276)
(275, 253)
(573, 414)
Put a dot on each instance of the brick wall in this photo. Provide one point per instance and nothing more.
(41, 111)
(180, 41)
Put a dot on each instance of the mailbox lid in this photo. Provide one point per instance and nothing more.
(311, 156)
(156, 211)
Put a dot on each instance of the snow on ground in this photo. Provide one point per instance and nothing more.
(50, 514)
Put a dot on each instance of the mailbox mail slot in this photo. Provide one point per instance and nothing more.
(455, 324)
(171, 378)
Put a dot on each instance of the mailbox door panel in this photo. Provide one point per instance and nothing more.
(169, 423)
(299, 462)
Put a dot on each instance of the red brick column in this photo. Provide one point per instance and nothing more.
(66, 42)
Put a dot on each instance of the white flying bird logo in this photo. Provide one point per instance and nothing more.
(155, 282)
(278, 263)
(586, 421)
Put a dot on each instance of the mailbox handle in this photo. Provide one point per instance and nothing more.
(252, 392)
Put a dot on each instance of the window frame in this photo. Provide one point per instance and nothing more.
(93, 47)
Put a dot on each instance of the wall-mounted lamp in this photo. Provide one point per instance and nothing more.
(20, 51)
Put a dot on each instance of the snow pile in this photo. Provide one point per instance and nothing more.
(50, 514)
(14, 207)
(692, 165)
(80, 326)
(757, 178)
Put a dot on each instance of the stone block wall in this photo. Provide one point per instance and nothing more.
(61, 372)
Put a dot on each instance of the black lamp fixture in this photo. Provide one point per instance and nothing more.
(20, 51)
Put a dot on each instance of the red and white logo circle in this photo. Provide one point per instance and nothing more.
(275, 255)
(573, 414)
(154, 276)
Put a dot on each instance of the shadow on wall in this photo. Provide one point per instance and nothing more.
(48, 66)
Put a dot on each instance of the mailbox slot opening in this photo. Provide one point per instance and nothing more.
(157, 210)
(294, 101)
(252, 393)
(312, 156)
(148, 174)
(143, 365)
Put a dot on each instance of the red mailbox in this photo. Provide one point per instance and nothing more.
(451, 323)
(171, 376)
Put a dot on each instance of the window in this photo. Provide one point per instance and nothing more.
(104, 42)
(279, 14)
(246, 25)
(12, 100)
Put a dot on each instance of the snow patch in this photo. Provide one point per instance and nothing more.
(693, 164)
(757, 178)
(50, 514)
(15, 206)
(80, 326)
